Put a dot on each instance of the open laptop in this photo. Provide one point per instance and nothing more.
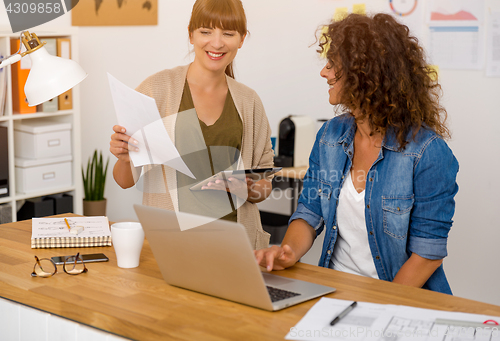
(216, 258)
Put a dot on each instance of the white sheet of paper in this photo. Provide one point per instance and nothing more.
(493, 46)
(376, 322)
(456, 34)
(159, 148)
(457, 47)
(139, 114)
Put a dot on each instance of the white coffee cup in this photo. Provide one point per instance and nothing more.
(127, 238)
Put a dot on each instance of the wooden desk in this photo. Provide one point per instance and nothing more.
(138, 304)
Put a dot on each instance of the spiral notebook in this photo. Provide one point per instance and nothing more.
(82, 232)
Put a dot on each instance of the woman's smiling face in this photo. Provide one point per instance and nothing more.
(215, 48)
(335, 84)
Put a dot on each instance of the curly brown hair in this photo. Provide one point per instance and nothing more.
(385, 76)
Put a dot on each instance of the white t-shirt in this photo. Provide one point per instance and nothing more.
(352, 251)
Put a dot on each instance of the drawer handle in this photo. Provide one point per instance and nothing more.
(48, 176)
(54, 143)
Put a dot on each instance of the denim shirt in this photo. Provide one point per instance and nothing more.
(409, 197)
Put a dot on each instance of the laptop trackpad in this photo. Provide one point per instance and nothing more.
(276, 281)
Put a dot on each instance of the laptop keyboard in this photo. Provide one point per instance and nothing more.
(279, 294)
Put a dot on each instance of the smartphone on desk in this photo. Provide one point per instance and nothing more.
(90, 258)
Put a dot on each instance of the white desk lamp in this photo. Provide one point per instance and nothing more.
(49, 76)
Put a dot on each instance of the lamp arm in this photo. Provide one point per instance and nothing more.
(10, 60)
(30, 41)
(15, 57)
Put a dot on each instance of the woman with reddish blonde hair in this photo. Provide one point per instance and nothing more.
(381, 180)
(230, 129)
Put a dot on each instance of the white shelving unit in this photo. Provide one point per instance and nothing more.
(9, 118)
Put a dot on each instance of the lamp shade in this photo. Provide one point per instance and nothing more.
(50, 76)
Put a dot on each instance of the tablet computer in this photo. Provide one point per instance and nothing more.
(255, 174)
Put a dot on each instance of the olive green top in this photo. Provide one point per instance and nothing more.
(207, 150)
(159, 182)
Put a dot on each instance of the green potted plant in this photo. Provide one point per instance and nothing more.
(94, 179)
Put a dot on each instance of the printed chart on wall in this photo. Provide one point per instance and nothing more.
(456, 33)
(409, 13)
(493, 46)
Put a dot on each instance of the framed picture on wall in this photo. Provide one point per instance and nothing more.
(115, 13)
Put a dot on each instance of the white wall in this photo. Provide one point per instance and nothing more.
(278, 63)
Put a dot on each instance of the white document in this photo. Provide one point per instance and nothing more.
(139, 114)
(457, 47)
(456, 33)
(383, 322)
(493, 46)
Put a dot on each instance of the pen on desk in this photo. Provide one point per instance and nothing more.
(67, 224)
(344, 313)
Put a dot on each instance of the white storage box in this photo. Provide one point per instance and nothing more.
(43, 174)
(41, 138)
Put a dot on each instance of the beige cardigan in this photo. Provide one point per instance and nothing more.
(159, 182)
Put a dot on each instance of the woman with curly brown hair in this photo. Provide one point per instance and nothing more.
(381, 180)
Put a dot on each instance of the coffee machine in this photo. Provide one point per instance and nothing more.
(295, 140)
